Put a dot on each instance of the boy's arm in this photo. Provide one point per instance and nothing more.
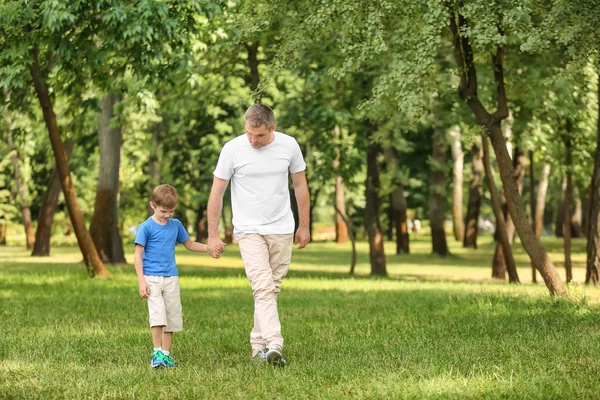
(195, 246)
(139, 270)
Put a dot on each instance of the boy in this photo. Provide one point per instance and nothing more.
(157, 273)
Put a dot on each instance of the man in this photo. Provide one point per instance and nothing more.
(258, 164)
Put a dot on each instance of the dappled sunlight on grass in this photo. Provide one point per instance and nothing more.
(434, 328)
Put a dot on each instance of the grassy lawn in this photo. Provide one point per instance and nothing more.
(435, 328)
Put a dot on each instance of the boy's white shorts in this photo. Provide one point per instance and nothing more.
(164, 302)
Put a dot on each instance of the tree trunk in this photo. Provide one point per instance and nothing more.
(503, 237)
(532, 205)
(373, 224)
(576, 217)
(499, 266)
(86, 245)
(351, 235)
(566, 138)
(592, 275)
(437, 198)
(253, 64)
(540, 203)
(48, 208)
(474, 202)
(3, 231)
(22, 191)
(104, 228)
(227, 227)
(155, 162)
(201, 223)
(341, 227)
(457, 184)
(468, 92)
(398, 202)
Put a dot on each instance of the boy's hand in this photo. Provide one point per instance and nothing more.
(144, 290)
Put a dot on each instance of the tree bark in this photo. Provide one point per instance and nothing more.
(499, 266)
(592, 275)
(48, 208)
(201, 223)
(341, 227)
(457, 184)
(104, 228)
(351, 236)
(437, 198)
(86, 245)
(566, 138)
(576, 217)
(155, 162)
(3, 231)
(22, 191)
(540, 202)
(474, 201)
(253, 64)
(398, 202)
(503, 237)
(532, 205)
(373, 224)
(491, 122)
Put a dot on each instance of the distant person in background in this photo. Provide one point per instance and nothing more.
(258, 163)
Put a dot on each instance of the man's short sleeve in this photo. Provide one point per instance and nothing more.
(182, 234)
(141, 237)
(297, 163)
(224, 168)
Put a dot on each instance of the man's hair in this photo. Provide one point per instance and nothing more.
(258, 115)
(165, 196)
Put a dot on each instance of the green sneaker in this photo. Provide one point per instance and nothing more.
(168, 360)
(158, 359)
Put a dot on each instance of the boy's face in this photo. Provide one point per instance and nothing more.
(161, 214)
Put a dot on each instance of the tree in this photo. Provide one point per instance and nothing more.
(468, 91)
(474, 200)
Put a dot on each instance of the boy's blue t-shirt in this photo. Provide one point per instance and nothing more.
(159, 243)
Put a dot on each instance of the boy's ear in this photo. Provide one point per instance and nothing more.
(152, 205)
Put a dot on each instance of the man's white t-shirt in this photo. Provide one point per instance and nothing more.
(260, 199)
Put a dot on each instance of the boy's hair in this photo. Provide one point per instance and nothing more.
(258, 115)
(165, 196)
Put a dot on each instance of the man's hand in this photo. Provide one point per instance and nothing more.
(302, 237)
(144, 290)
(215, 246)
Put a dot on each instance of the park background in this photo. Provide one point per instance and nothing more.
(452, 161)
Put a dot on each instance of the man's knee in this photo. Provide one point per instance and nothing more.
(264, 293)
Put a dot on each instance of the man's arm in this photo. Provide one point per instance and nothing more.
(215, 205)
(139, 270)
(303, 200)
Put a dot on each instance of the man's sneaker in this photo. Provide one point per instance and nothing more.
(168, 360)
(275, 358)
(259, 357)
(158, 359)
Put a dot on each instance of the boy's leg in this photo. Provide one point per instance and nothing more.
(255, 254)
(156, 308)
(172, 298)
(167, 341)
(157, 336)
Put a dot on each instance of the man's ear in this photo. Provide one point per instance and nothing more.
(273, 128)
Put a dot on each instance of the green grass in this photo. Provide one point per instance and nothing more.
(435, 328)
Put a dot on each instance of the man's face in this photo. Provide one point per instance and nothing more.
(162, 214)
(259, 137)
